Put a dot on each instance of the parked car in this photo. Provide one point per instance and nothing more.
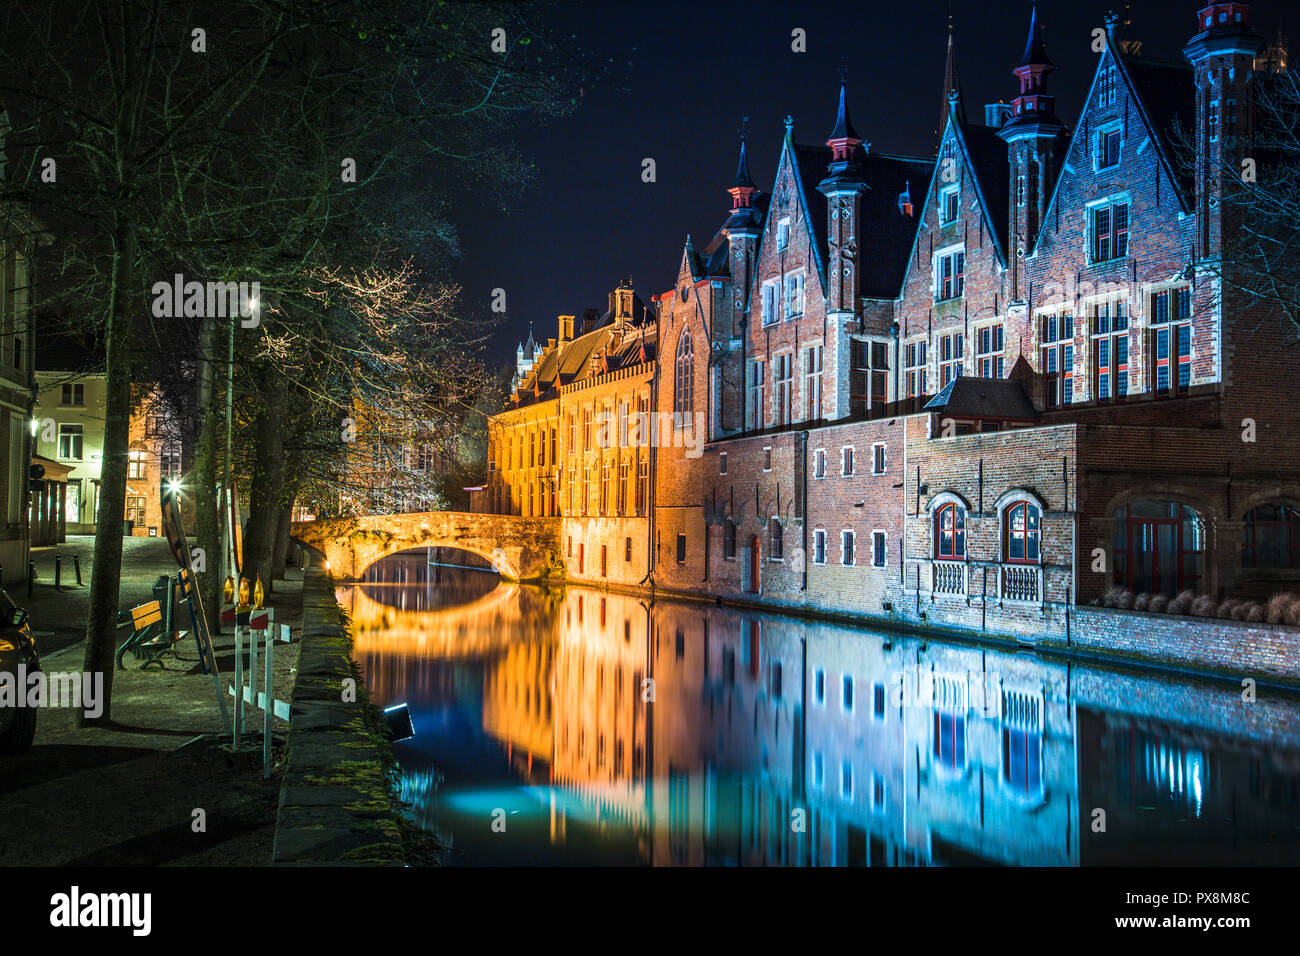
(17, 724)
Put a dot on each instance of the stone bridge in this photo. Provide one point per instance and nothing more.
(521, 549)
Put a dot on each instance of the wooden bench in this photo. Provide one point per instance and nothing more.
(147, 640)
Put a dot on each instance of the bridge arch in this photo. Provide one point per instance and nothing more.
(520, 549)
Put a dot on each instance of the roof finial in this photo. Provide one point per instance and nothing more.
(789, 125)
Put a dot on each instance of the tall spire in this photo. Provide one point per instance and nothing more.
(742, 188)
(843, 125)
(1035, 53)
(951, 83)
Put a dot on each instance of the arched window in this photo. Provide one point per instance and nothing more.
(1159, 546)
(1023, 530)
(684, 386)
(950, 532)
(1271, 537)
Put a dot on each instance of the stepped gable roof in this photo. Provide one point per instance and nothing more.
(970, 397)
(1167, 98)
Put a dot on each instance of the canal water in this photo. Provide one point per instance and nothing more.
(583, 727)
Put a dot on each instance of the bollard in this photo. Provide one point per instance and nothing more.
(76, 566)
(58, 572)
(239, 685)
(31, 577)
(269, 712)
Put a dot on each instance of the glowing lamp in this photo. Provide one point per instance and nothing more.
(259, 595)
(228, 590)
(243, 592)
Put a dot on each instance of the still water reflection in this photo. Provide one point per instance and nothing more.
(593, 728)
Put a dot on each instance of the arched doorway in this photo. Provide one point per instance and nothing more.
(1159, 547)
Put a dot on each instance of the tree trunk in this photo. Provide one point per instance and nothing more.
(264, 499)
(208, 517)
(281, 553)
(106, 576)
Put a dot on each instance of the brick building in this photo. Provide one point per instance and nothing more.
(981, 389)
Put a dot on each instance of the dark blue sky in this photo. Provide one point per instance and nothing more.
(688, 72)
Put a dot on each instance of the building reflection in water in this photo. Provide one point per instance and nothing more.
(599, 728)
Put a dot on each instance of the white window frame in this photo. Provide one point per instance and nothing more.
(1098, 138)
(884, 458)
(848, 548)
(949, 191)
(819, 463)
(792, 296)
(848, 460)
(819, 545)
(937, 272)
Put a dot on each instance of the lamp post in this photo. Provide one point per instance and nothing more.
(227, 534)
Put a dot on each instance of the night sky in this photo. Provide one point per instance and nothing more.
(686, 76)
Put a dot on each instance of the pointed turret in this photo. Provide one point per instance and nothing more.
(742, 188)
(1033, 135)
(1032, 105)
(843, 188)
(843, 139)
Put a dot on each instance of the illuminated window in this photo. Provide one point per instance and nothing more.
(914, 366)
(1109, 232)
(1171, 341)
(989, 351)
(812, 382)
(1057, 336)
(952, 348)
(1110, 351)
(684, 386)
(950, 276)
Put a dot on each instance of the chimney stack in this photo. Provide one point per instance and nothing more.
(566, 328)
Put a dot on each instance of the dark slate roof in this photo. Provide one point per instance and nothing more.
(988, 155)
(810, 167)
(970, 397)
(1167, 95)
(716, 258)
(887, 235)
(62, 351)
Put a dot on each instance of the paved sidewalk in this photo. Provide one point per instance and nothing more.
(122, 794)
(58, 618)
